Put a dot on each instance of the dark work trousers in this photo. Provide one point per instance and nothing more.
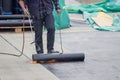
(48, 22)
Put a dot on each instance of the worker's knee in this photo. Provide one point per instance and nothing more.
(51, 29)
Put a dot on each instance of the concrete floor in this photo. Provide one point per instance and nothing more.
(20, 68)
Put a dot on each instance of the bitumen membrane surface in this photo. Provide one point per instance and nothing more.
(101, 48)
(102, 56)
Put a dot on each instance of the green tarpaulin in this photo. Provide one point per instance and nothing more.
(107, 6)
(62, 21)
(91, 10)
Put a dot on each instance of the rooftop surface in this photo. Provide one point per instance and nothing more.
(102, 51)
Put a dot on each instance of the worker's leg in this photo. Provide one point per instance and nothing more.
(38, 27)
(49, 24)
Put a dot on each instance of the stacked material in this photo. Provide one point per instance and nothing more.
(12, 15)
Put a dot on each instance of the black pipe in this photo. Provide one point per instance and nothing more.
(59, 57)
(14, 23)
(5, 17)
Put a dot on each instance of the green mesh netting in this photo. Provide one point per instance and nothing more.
(62, 21)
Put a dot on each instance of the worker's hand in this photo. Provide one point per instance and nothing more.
(25, 12)
(58, 11)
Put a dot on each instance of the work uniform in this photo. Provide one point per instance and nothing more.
(41, 12)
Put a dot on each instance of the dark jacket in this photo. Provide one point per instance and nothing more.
(34, 6)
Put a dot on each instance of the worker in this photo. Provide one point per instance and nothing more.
(41, 12)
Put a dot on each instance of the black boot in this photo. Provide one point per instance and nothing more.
(39, 50)
(52, 51)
